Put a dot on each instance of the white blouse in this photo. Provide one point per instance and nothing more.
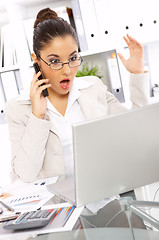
(64, 124)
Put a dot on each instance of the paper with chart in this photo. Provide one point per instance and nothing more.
(28, 196)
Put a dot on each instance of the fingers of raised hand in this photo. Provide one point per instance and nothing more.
(127, 40)
(132, 42)
(122, 58)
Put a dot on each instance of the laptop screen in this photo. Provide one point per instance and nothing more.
(116, 154)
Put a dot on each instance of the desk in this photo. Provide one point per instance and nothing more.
(110, 233)
(85, 228)
(108, 220)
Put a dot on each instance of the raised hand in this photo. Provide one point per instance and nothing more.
(38, 101)
(135, 63)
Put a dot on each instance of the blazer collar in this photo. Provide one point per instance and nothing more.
(87, 99)
(88, 104)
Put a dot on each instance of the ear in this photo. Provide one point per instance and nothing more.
(34, 57)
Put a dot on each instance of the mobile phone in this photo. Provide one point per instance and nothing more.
(37, 69)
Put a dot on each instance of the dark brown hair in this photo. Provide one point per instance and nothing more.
(47, 26)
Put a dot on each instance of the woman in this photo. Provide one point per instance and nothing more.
(40, 128)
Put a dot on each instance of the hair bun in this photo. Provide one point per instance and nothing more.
(45, 14)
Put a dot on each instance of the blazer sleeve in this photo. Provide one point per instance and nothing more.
(139, 93)
(28, 141)
(139, 89)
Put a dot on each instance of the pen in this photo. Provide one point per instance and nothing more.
(1, 210)
(7, 206)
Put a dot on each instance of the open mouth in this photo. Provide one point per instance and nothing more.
(65, 83)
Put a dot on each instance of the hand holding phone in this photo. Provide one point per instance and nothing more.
(37, 69)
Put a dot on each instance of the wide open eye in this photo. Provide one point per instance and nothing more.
(54, 61)
(73, 58)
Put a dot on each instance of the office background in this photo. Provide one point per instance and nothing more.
(100, 30)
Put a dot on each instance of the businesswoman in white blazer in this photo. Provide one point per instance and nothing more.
(40, 127)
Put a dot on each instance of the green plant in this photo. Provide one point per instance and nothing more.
(87, 70)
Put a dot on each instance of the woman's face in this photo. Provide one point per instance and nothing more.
(61, 49)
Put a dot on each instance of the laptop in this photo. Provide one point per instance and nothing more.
(112, 155)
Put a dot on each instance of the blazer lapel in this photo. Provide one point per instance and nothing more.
(88, 103)
(53, 129)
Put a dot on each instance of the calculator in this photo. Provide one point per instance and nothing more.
(33, 219)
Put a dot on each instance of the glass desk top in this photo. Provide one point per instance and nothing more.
(110, 222)
(85, 228)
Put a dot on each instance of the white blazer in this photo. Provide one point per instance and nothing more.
(36, 147)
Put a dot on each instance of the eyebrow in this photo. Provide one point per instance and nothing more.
(50, 55)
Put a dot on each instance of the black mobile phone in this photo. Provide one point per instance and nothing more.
(37, 69)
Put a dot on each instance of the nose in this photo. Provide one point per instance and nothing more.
(66, 69)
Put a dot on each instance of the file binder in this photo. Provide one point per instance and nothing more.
(138, 22)
(86, 13)
(104, 22)
(28, 29)
(9, 84)
(2, 103)
(79, 26)
(2, 48)
(132, 22)
(8, 57)
(114, 75)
